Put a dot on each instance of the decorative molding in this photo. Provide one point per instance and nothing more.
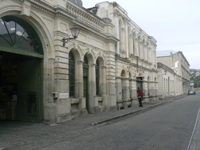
(26, 8)
(76, 14)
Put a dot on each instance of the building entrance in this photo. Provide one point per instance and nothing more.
(20, 88)
(21, 57)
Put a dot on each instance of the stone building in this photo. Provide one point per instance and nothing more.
(48, 75)
(168, 80)
(173, 72)
(135, 56)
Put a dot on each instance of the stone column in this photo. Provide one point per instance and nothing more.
(145, 52)
(136, 47)
(79, 86)
(131, 89)
(119, 92)
(130, 45)
(151, 89)
(126, 92)
(110, 79)
(103, 88)
(133, 46)
(62, 85)
(92, 88)
(103, 80)
(122, 41)
(117, 33)
(160, 85)
(145, 89)
(141, 49)
(156, 88)
(134, 92)
(79, 79)
(149, 54)
(127, 40)
(50, 108)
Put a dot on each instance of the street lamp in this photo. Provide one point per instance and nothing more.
(74, 32)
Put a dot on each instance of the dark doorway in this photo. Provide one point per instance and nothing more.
(20, 88)
(85, 81)
(140, 83)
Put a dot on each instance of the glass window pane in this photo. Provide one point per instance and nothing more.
(71, 75)
(18, 34)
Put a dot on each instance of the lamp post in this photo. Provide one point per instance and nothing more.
(74, 32)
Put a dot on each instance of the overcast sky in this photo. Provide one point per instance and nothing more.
(175, 24)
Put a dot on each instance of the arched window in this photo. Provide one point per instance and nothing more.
(97, 78)
(17, 34)
(85, 80)
(71, 74)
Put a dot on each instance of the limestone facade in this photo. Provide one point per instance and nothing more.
(135, 56)
(174, 75)
(168, 80)
(98, 71)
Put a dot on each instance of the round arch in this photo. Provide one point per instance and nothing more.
(76, 54)
(18, 36)
(123, 74)
(74, 78)
(20, 50)
(38, 25)
(46, 43)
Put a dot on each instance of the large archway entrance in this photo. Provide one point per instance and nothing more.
(21, 57)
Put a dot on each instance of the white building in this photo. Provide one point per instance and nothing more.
(135, 55)
(56, 79)
(174, 72)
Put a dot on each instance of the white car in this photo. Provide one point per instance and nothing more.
(191, 92)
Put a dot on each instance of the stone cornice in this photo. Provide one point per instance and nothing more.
(142, 60)
(76, 13)
(135, 79)
(126, 60)
(43, 6)
(183, 67)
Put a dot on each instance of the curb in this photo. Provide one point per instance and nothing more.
(106, 121)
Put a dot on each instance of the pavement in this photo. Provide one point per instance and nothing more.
(26, 134)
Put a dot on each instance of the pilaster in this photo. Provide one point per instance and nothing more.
(92, 88)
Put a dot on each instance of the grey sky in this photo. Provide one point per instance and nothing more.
(174, 23)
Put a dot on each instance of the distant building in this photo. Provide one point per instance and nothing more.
(168, 80)
(179, 67)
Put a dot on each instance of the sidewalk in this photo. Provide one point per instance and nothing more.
(18, 135)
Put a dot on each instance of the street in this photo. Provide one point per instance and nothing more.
(167, 127)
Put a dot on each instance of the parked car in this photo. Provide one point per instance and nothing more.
(191, 92)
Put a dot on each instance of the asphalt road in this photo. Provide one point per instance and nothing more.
(168, 127)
